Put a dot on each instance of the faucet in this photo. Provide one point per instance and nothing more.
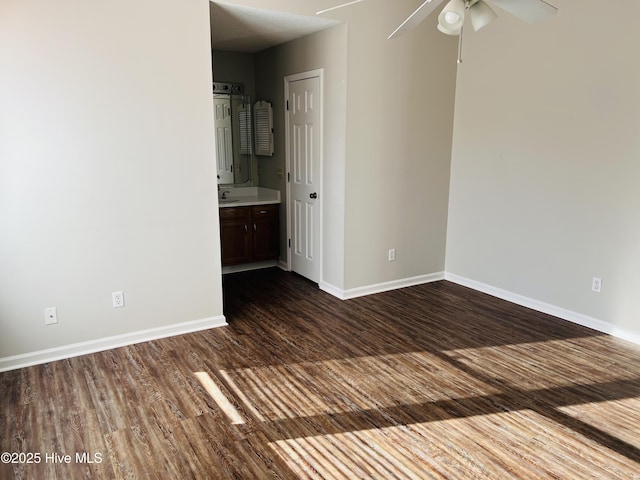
(224, 194)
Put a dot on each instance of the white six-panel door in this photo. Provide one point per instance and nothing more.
(304, 139)
(224, 153)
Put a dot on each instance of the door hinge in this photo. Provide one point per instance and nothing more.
(288, 176)
(287, 105)
(289, 243)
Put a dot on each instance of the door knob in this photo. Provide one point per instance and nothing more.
(313, 195)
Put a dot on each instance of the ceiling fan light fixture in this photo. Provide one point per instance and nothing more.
(450, 31)
(451, 17)
(481, 15)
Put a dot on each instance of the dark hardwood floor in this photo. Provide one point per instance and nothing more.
(434, 381)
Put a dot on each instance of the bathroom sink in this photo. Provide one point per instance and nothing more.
(228, 200)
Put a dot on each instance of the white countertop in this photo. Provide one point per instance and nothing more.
(247, 196)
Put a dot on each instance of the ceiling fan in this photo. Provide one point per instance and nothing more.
(452, 16)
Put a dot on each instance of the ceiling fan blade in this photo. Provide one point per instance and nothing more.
(416, 18)
(530, 11)
(338, 6)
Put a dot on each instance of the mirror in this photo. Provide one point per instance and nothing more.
(234, 138)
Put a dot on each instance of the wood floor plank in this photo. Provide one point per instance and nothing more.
(434, 381)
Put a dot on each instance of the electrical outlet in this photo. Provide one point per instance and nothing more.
(118, 299)
(392, 254)
(50, 316)
(596, 284)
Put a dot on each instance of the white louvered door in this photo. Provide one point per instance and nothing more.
(263, 120)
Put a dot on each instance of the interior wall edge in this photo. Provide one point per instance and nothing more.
(539, 306)
(76, 349)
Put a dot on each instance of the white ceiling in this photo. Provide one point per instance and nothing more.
(246, 29)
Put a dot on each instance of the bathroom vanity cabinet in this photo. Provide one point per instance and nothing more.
(249, 233)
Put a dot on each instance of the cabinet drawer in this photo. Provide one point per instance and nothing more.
(264, 211)
(234, 212)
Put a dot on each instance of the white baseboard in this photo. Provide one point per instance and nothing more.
(331, 289)
(379, 287)
(92, 346)
(571, 316)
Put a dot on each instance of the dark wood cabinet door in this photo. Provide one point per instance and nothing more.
(235, 235)
(266, 232)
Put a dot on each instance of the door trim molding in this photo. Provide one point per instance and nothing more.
(317, 73)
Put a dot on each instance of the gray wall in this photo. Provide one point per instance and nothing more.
(546, 161)
(399, 125)
(107, 170)
(235, 67)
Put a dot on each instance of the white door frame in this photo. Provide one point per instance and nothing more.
(288, 79)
